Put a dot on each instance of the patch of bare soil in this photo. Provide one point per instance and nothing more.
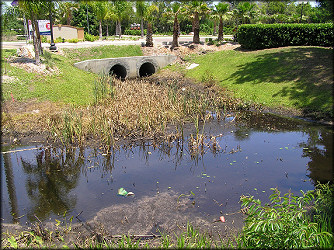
(182, 51)
(165, 213)
(29, 65)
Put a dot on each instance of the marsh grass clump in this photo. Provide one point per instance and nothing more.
(133, 109)
(103, 88)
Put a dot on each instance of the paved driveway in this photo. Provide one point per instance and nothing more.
(156, 40)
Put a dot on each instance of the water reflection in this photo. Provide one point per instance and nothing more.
(50, 180)
(255, 151)
(318, 147)
(11, 187)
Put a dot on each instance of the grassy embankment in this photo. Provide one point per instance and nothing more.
(295, 77)
(71, 85)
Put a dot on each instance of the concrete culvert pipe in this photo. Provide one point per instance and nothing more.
(146, 69)
(118, 71)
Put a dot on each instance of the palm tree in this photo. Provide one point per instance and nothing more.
(101, 9)
(196, 9)
(141, 7)
(221, 9)
(66, 9)
(245, 11)
(174, 11)
(120, 10)
(150, 14)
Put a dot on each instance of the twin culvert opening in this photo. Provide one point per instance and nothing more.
(119, 71)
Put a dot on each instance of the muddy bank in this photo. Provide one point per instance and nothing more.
(163, 214)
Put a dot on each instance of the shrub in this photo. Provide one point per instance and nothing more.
(74, 40)
(91, 38)
(260, 36)
(133, 32)
(58, 40)
(285, 222)
(205, 29)
(9, 36)
(44, 39)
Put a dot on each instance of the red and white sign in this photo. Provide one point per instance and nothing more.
(43, 25)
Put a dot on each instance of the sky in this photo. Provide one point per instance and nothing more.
(8, 2)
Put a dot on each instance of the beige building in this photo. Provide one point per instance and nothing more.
(67, 32)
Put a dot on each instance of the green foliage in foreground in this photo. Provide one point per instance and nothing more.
(67, 84)
(292, 77)
(287, 221)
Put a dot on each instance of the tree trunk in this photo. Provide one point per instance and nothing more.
(220, 29)
(118, 29)
(68, 19)
(214, 27)
(142, 28)
(38, 38)
(100, 29)
(37, 58)
(107, 30)
(196, 28)
(175, 33)
(149, 39)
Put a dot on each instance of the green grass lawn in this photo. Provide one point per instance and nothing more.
(293, 77)
(71, 85)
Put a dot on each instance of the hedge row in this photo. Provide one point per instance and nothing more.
(261, 36)
(134, 32)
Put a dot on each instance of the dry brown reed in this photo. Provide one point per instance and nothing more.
(134, 109)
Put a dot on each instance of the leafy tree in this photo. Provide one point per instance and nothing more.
(141, 7)
(81, 15)
(10, 19)
(221, 10)
(326, 9)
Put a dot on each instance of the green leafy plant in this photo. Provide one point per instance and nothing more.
(74, 40)
(260, 36)
(90, 38)
(59, 40)
(283, 223)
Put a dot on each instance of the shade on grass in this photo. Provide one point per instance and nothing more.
(295, 77)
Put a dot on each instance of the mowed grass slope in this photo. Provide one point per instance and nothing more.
(69, 86)
(292, 77)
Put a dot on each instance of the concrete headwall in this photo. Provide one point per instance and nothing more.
(127, 67)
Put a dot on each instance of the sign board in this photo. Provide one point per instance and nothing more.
(43, 25)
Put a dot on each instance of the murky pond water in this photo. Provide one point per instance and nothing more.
(256, 152)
